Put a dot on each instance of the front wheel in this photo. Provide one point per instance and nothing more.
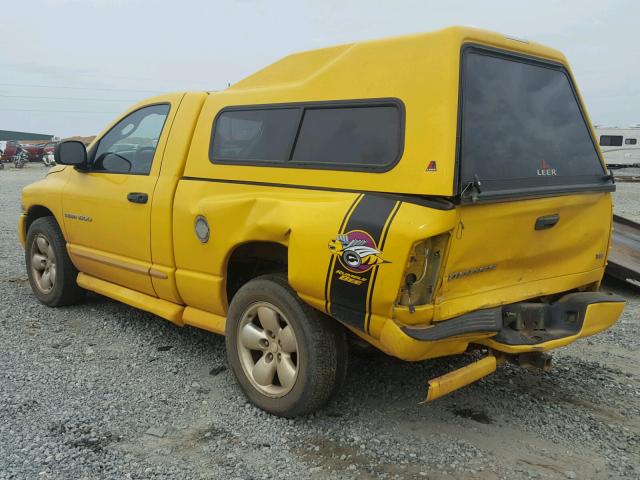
(51, 274)
(287, 358)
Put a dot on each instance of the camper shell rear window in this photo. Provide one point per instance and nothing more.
(522, 131)
(364, 135)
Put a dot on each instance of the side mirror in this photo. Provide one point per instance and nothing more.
(71, 152)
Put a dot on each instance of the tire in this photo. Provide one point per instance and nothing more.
(46, 253)
(258, 309)
(343, 352)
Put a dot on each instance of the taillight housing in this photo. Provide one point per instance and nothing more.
(420, 278)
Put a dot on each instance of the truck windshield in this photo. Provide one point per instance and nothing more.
(522, 130)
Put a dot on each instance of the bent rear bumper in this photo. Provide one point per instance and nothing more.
(574, 316)
(514, 328)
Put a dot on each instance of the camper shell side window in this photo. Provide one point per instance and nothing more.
(362, 135)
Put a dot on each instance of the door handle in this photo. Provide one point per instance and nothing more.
(548, 221)
(137, 197)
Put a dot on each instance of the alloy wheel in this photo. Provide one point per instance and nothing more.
(43, 264)
(268, 349)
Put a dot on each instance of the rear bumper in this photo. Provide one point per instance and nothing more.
(514, 328)
(574, 316)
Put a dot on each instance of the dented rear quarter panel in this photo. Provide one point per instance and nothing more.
(304, 221)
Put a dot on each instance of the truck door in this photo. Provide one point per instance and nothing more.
(107, 209)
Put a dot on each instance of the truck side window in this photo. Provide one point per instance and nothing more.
(130, 145)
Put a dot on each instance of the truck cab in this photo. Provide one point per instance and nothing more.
(429, 194)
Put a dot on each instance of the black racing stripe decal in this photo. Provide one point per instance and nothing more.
(374, 275)
(332, 260)
(332, 263)
(349, 286)
(388, 226)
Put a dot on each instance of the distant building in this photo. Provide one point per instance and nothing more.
(85, 140)
(10, 135)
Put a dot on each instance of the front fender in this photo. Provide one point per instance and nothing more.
(43, 196)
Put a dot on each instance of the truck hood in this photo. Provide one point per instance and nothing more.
(56, 169)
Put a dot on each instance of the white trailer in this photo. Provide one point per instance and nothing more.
(620, 145)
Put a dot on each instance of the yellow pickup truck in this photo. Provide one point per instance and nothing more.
(430, 194)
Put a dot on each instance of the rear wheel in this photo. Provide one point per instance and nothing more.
(287, 357)
(51, 274)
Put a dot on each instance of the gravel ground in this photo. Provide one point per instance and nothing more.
(102, 390)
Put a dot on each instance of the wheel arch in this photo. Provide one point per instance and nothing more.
(253, 259)
(35, 212)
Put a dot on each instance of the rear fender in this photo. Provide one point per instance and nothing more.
(380, 229)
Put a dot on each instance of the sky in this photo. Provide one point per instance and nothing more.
(69, 67)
